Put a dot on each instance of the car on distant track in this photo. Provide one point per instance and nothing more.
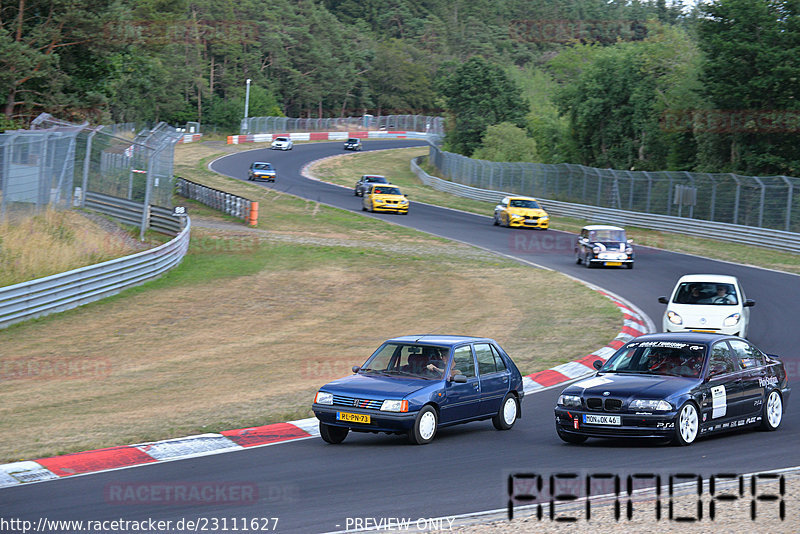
(600, 244)
(675, 387)
(414, 385)
(261, 170)
(282, 143)
(354, 143)
(521, 212)
(363, 183)
(385, 198)
(707, 303)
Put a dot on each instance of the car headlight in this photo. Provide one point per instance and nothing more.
(569, 400)
(323, 398)
(515, 216)
(629, 251)
(544, 218)
(404, 202)
(650, 405)
(596, 250)
(732, 320)
(674, 318)
(394, 406)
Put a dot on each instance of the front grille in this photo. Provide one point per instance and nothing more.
(353, 402)
(600, 404)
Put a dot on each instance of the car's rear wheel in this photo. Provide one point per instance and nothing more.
(772, 414)
(332, 434)
(570, 438)
(505, 418)
(425, 425)
(578, 259)
(687, 425)
(495, 221)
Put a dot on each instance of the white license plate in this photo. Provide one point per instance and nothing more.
(602, 419)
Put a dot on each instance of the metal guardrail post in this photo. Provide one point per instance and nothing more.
(86, 162)
(790, 188)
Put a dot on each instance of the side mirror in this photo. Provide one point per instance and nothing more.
(630, 241)
(749, 302)
(663, 300)
(459, 379)
(356, 368)
(597, 364)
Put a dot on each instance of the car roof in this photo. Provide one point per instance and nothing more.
(261, 163)
(281, 138)
(684, 337)
(438, 339)
(521, 198)
(372, 176)
(601, 227)
(709, 278)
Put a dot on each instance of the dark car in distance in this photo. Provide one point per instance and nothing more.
(354, 143)
(600, 244)
(676, 387)
(414, 385)
(363, 184)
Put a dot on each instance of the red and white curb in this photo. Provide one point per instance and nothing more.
(326, 136)
(81, 463)
(634, 325)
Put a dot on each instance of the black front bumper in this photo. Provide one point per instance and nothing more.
(660, 426)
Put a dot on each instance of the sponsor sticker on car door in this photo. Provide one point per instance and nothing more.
(719, 402)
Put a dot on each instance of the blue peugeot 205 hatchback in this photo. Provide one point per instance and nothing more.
(416, 384)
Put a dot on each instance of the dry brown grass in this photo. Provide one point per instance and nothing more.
(202, 350)
(52, 242)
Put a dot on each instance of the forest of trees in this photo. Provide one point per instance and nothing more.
(627, 84)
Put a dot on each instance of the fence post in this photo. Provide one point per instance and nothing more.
(790, 185)
(86, 162)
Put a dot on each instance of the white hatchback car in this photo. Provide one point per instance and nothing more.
(707, 303)
(282, 143)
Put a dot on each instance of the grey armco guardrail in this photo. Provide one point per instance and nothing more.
(74, 288)
(233, 205)
(129, 212)
(748, 235)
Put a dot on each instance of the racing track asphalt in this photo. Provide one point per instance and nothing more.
(314, 487)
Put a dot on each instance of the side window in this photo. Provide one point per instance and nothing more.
(483, 353)
(748, 356)
(498, 360)
(721, 360)
(462, 360)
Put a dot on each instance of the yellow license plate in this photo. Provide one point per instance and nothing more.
(614, 263)
(352, 417)
(703, 331)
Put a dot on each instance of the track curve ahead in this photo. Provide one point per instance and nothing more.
(314, 487)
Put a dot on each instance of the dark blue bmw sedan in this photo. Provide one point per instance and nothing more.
(415, 384)
(676, 386)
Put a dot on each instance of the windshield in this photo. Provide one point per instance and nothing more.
(386, 191)
(409, 360)
(530, 204)
(283, 139)
(717, 294)
(377, 180)
(352, 140)
(262, 166)
(607, 235)
(658, 358)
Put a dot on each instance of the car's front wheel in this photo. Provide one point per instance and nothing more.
(587, 261)
(425, 425)
(332, 434)
(507, 416)
(772, 414)
(570, 438)
(687, 425)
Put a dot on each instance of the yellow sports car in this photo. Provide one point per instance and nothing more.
(521, 212)
(385, 197)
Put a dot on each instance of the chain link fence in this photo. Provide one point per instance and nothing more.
(758, 201)
(415, 123)
(56, 161)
